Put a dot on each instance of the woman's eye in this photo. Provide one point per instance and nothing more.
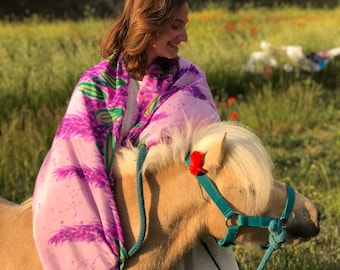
(176, 27)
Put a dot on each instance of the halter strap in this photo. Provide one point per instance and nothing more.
(276, 226)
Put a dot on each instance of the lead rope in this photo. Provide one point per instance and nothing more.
(139, 179)
(277, 233)
(277, 236)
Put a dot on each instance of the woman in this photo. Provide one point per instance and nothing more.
(140, 88)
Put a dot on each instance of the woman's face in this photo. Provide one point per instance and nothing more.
(165, 43)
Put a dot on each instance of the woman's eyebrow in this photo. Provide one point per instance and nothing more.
(181, 21)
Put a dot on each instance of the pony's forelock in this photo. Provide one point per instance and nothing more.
(246, 157)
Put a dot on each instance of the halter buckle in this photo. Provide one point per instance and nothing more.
(233, 220)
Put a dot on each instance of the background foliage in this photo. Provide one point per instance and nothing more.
(73, 9)
(297, 114)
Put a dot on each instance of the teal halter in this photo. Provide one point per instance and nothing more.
(276, 226)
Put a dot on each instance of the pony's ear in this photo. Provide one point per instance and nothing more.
(215, 155)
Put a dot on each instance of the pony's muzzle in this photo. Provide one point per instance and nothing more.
(304, 223)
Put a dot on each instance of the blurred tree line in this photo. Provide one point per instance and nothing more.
(74, 9)
(62, 9)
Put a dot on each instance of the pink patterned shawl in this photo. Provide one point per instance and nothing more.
(75, 219)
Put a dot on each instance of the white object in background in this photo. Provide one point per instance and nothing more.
(265, 45)
(294, 53)
(331, 53)
(260, 57)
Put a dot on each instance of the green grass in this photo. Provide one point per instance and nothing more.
(297, 115)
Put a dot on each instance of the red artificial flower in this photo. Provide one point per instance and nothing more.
(233, 116)
(196, 163)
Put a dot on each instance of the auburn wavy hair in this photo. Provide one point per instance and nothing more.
(130, 33)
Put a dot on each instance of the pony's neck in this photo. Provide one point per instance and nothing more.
(175, 230)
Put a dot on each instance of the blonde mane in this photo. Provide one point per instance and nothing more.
(246, 157)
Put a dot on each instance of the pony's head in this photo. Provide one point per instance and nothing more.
(240, 168)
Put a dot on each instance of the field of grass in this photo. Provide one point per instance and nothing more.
(296, 114)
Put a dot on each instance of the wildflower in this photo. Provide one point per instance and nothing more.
(231, 100)
(233, 116)
(267, 71)
(231, 29)
(253, 31)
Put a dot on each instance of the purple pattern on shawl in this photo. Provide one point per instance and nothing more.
(83, 233)
(75, 125)
(93, 176)
(196, 92)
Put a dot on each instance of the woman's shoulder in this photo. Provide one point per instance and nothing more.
(98, 68)
(184, 62)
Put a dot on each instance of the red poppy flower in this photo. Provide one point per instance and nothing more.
(196, 163)
(233, 116)
(231, 100)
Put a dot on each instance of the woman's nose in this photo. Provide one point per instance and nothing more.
(183, 35)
